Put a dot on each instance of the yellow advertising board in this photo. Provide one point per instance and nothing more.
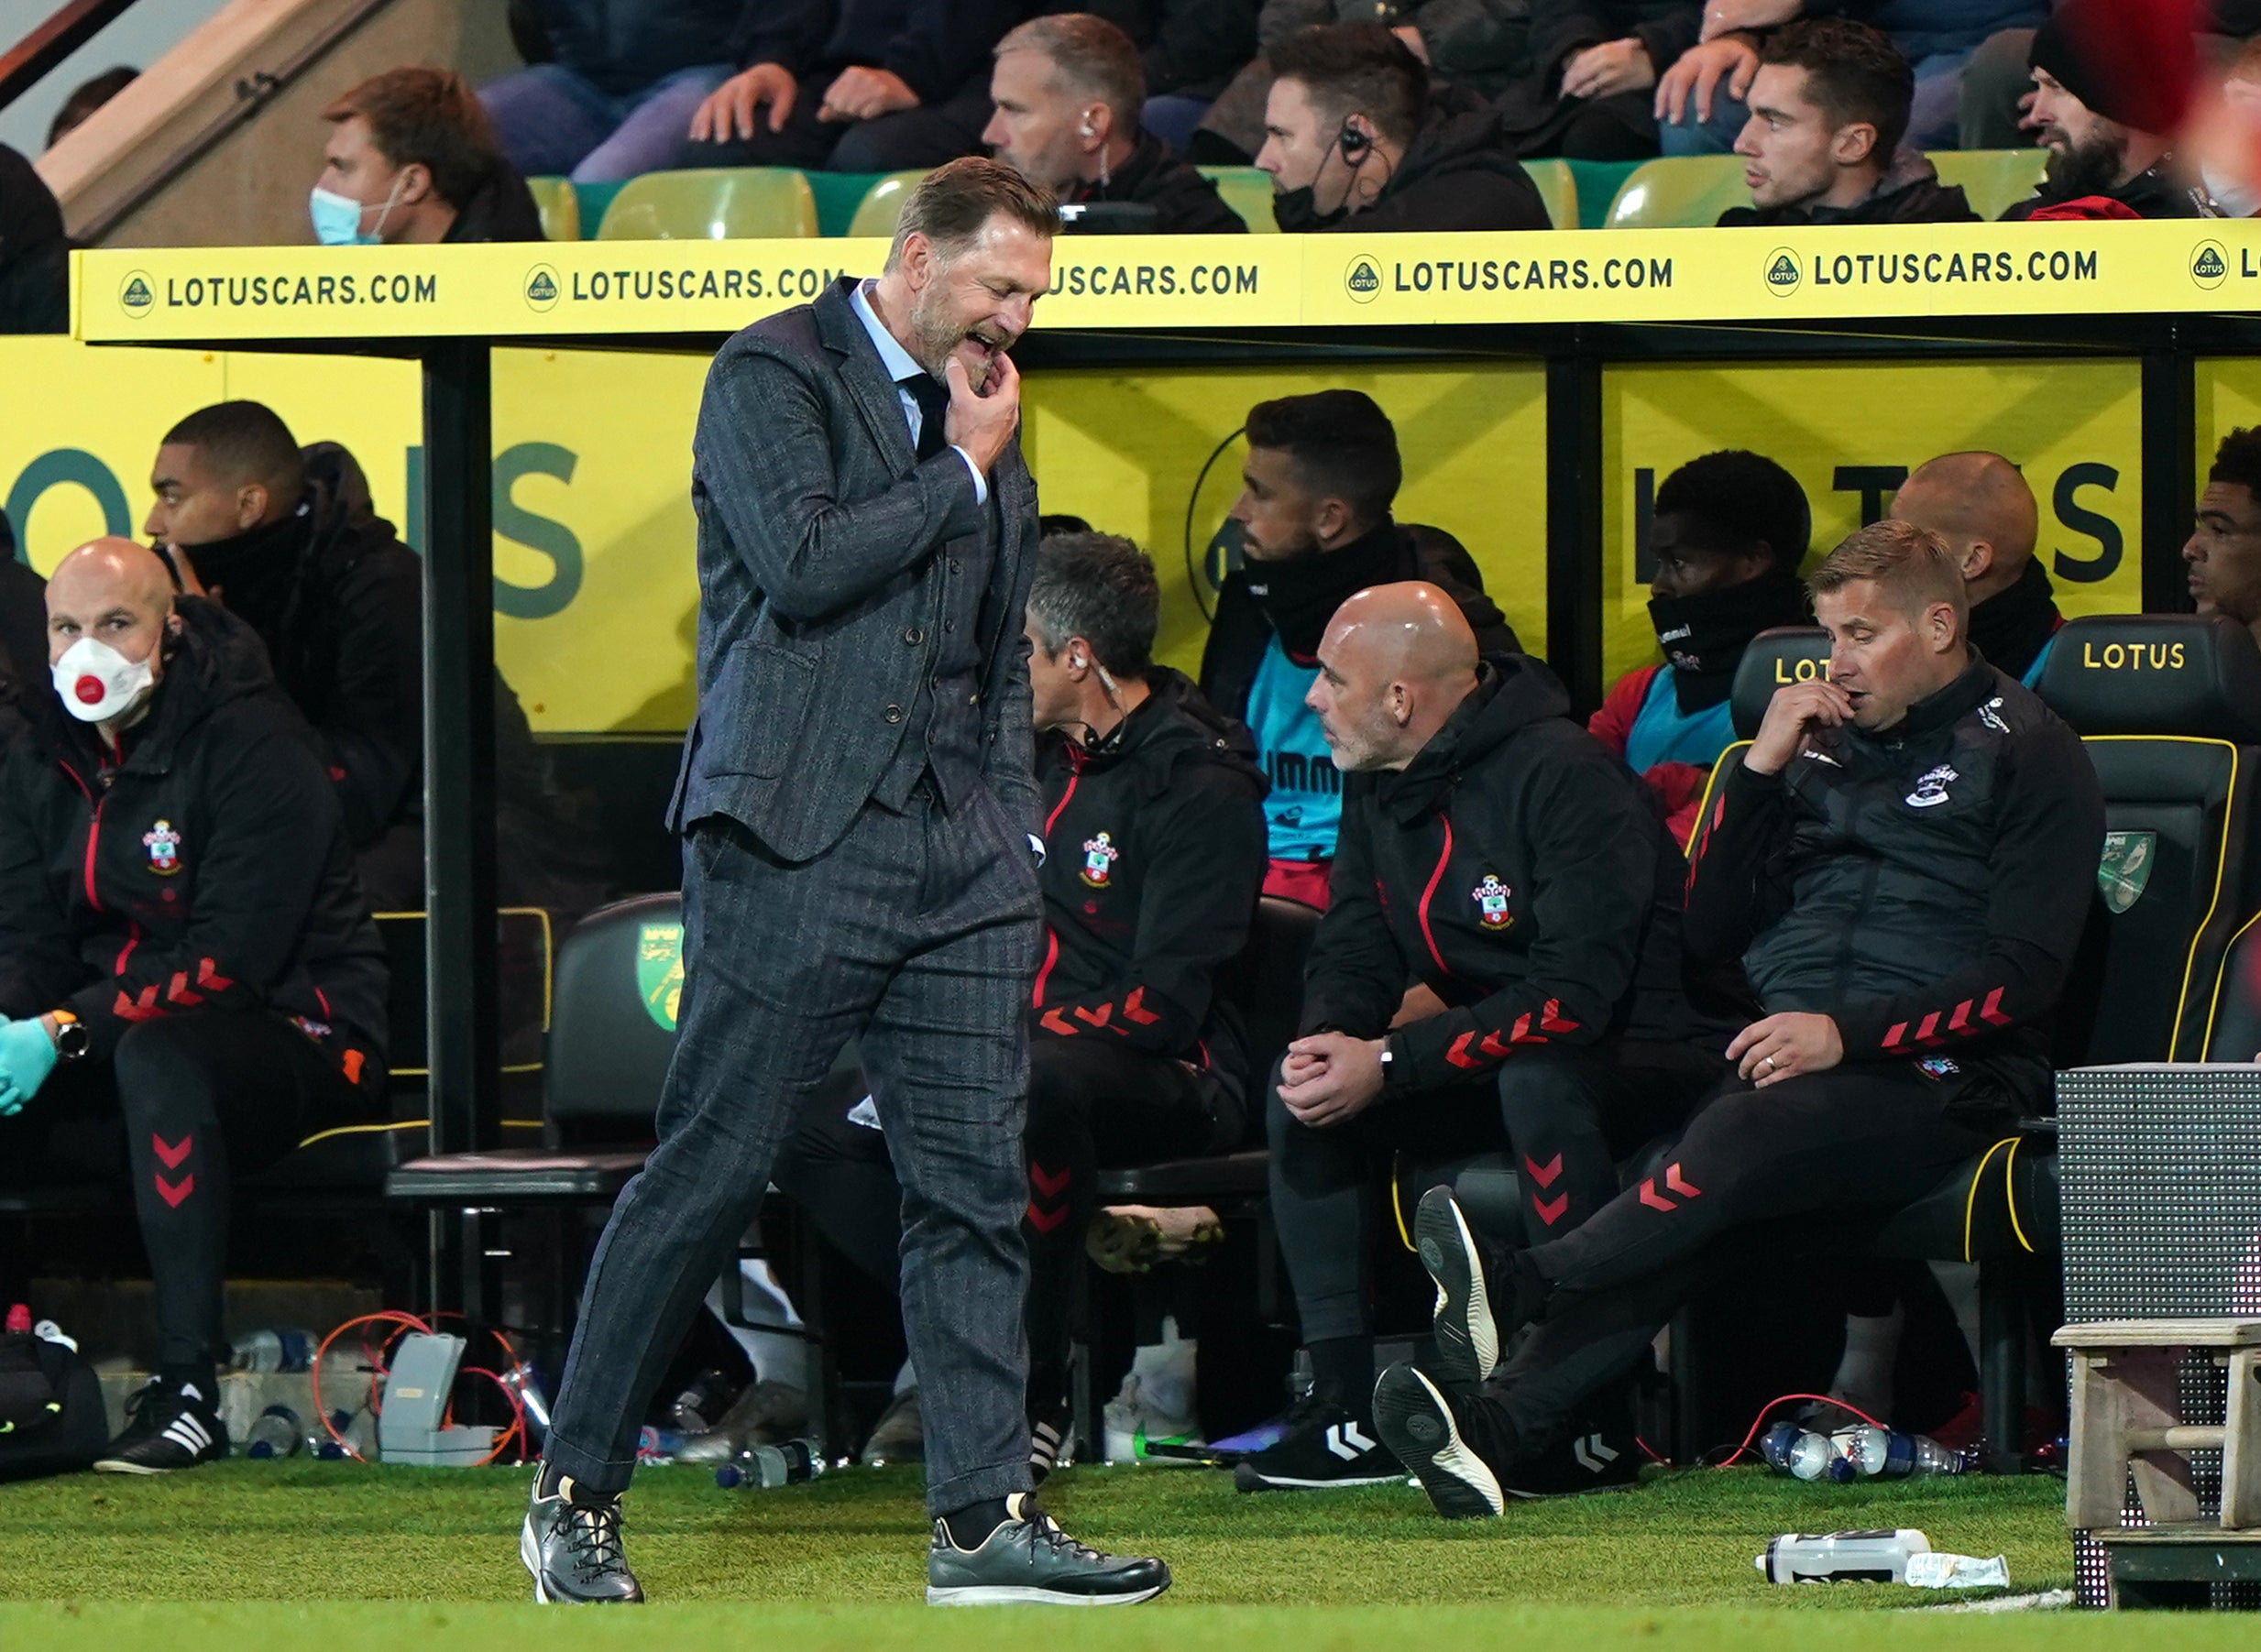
(219, 294)
(2229, 398)
(1850, 433)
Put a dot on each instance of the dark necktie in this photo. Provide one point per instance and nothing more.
(933, 409)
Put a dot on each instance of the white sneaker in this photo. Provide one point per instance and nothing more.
(1131, 1423)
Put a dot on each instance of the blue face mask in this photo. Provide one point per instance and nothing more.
(2236, 198)
(337, 218)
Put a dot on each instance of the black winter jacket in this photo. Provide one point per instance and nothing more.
(2155, 194)
(1192, 46)
(35, 257)
(1242, 631)
(1561, 30)
(1518, 870)
(1154, 858)
(1185, 203)
(203, 864)
(624, 46)
(502, 209)
(1458, 173)
(1910, 193)
(1926, 888)
(935, 46)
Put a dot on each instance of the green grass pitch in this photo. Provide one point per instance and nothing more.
(343, 1557)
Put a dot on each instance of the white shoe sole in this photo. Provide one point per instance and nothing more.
(1003, 1595)
(1472, 1334)
(529, 1557)
(116, 1465)
(1455, 1478)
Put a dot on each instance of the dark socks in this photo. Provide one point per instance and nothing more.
(203, 1378)
(1343, 1374)
(548, 1482)
(968, 1528)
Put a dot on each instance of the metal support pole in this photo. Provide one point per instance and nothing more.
(462, 1020)
(2002, 1365)
(2170, 464)
(1574, 523)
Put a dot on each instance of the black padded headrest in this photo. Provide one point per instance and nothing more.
(2196, 674)
(1788, 653)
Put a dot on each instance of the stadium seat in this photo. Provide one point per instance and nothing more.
(1558, 187)
(1994, 180)
(560, 207)
(1679, 192)
(883, 205)
(1248, 193)
(712, 204)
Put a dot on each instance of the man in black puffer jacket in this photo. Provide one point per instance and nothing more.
(1154, 856)
(1903, 860)
(1502, 856)
(186, 944)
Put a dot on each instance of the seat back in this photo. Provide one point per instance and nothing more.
(523, 960)
(559, 207)
(612, 1029)
(2168, 708)
(1558, 187)
(1775, 660)
(719, 204)
(1678, 192)
(1993, 179)
(883, 205)
(1265, 981)
(1248, 193)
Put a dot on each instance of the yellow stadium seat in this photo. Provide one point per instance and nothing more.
(716, 204)
(1994, 180)
(1248, 193)
(559, 207)
(883, 205)
(1558, 187)
(1679, 192)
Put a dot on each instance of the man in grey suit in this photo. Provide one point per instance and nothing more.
(860, 827)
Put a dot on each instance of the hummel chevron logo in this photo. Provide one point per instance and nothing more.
(1593, 1455)
(1346, 1440)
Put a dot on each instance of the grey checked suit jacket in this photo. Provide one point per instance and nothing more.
(819, 535)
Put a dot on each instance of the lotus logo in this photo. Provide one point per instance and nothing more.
(1363, 280)
(1782, 274)
(541, 288)
(2209, 267)
(135, 298)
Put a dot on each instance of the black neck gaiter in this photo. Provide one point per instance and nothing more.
(1704, 637)
(1300, 595)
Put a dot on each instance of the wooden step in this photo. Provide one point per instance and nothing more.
(2161, 1333)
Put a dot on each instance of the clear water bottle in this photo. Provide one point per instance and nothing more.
(759, 1468)
(1799, 1452)
(275, 1433)
(352, 1428)
(525, 1382)
(1870, 1452)
(1841, 1556)
(275, 1350)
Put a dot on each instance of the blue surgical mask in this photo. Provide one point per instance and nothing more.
(337, 218)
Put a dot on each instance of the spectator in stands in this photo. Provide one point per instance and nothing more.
(1476, 47)
(1354, 140)
(1067, 90)
(2226, 140)
(1317, 487)
(1700, 98)
(2078, 111)
(1998, 86)
(1829, 108)
(188, 948)
(287, 540)
(1590, 93)
(619, 91)
(412, 159)
(2223, 552)
(23, 626)
(1154, 854)
(85, 98)
(854, 85)
(35, 257)
(1727, 536)
(1982, 511)
(1496, 852)
(1188, 51)
(1908, 956)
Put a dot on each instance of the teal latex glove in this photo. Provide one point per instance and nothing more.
(26, 1057)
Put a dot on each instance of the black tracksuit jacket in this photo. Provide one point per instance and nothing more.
(1926, 888)
(1154, 856)
(204, 864)
(1185, 203)
(1518, 870)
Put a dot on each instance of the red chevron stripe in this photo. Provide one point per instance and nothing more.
(144, 1008)
(208, 976)
(1049, 1183)
(1552, 1020)
(1551, 1210)
(1044, 1221)
(1458, 1055)
(1654, 1199)
(1134, 1008)
(172, 1195)
(1680, 1184)
(180, 993)
(1929, 1032)
(1991, 1011)
(1098, 1017)
(1492, 1046)
(170, 1156)
(1958, 1022)
(1893, 1036)
(1055, 1022)
(1544, 1174)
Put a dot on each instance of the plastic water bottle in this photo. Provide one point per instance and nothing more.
(759, 1468)
(1870, 1452)
(1800, 1452)
(275, 1433)
(1841, 1556)
(352, 1427)
(275, 1350)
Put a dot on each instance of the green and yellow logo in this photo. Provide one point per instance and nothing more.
(2126, 868)
(1783, 274)
(541, 289)
(1362, 281)
(2209, 265)
(659, 972)
(137, 297)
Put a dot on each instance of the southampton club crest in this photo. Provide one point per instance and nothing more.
(1491, 902)
(1931, 791)
(1099, 854)
(164, 846)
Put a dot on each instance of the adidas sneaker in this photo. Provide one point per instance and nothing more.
(1325, 1446)
(166, 1428)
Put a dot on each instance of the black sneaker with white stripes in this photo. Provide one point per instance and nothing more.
(1591, 1460)
(1050, 1439)
(1325, 1446)
(168, 1427)
(1430, 1433)
(1467, 1341)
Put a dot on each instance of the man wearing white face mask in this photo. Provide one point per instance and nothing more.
(413, 160)
(188, 951)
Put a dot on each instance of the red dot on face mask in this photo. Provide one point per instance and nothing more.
(90, 690)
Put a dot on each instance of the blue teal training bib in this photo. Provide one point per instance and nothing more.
(1304, 808)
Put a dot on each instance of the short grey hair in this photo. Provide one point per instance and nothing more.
(1092, 56)
(1100, 587)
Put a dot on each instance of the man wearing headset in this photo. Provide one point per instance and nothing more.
(1356, 138)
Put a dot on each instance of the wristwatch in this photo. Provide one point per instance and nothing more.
(72, 1041)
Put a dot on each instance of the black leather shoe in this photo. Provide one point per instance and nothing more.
(1029, 1561)
(573, 1549)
